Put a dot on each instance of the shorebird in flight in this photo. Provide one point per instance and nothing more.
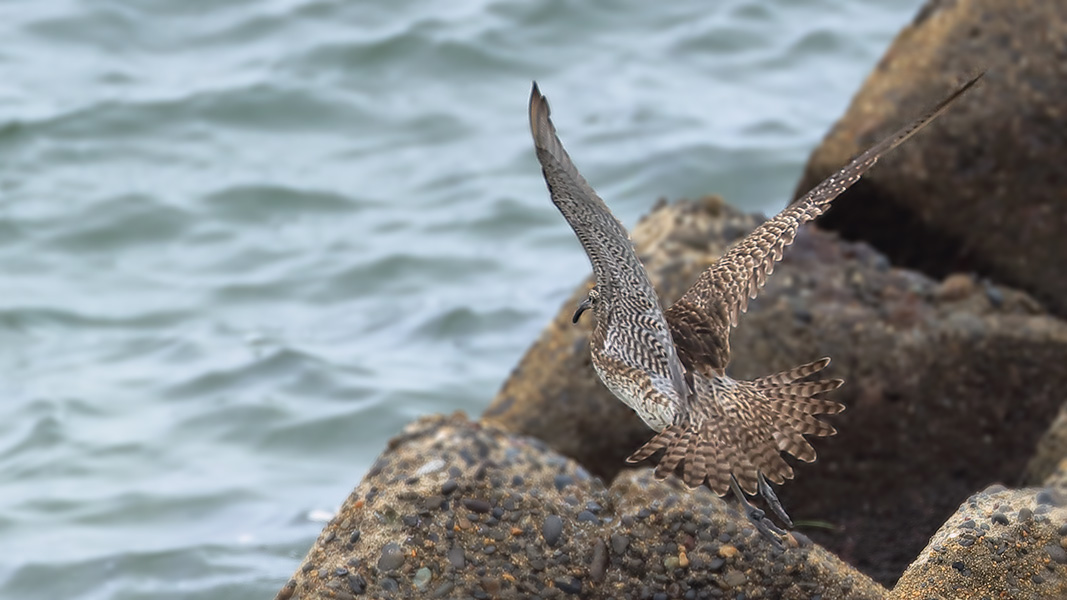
(670, 366)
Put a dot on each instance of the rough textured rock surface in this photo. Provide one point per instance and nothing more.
(458, 510)
(999, 544)
(948, 384)
(983, 189)
(1051, 451)
(1058, 478)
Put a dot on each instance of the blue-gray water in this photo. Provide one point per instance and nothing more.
(242, 243)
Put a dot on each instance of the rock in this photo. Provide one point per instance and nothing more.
(598, 563)
(552, 529)
(287, 591)
(1019, 560)
(581, 564)
(983, 189)
(733, 578)
(1057, 479)
(1051, 451)
(1056, 553)
(619, 543)
(945, 390)
(458, 557)
(392, 557)
(477, 505)
(422, 578)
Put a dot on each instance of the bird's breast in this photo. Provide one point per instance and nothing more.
(637, 390)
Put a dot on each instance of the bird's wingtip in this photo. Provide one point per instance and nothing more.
(952, 97)
(536, 97)
(970, 82)
(539, 111)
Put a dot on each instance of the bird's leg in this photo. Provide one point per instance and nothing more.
(765, 526)
(772, 501)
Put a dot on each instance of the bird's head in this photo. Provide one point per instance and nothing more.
(589, 302)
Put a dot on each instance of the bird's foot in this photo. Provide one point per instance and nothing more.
(773, 502)
(766, 527)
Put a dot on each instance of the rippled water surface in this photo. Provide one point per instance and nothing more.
(242, 243)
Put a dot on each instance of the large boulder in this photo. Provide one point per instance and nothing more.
(1051, 452)
(1057, 480)
(1001, 543)
(948, 383)
(984, 189)
(454, 509)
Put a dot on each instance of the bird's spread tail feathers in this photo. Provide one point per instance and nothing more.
(741, 430)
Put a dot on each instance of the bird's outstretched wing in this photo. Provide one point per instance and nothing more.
(629, 318)
(701, 319)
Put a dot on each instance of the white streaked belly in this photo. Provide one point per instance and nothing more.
(656, 415)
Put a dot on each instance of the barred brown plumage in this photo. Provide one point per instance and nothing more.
(669, 366)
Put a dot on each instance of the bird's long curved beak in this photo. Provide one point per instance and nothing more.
(582, 307)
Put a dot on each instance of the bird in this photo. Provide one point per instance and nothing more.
(669, 366)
